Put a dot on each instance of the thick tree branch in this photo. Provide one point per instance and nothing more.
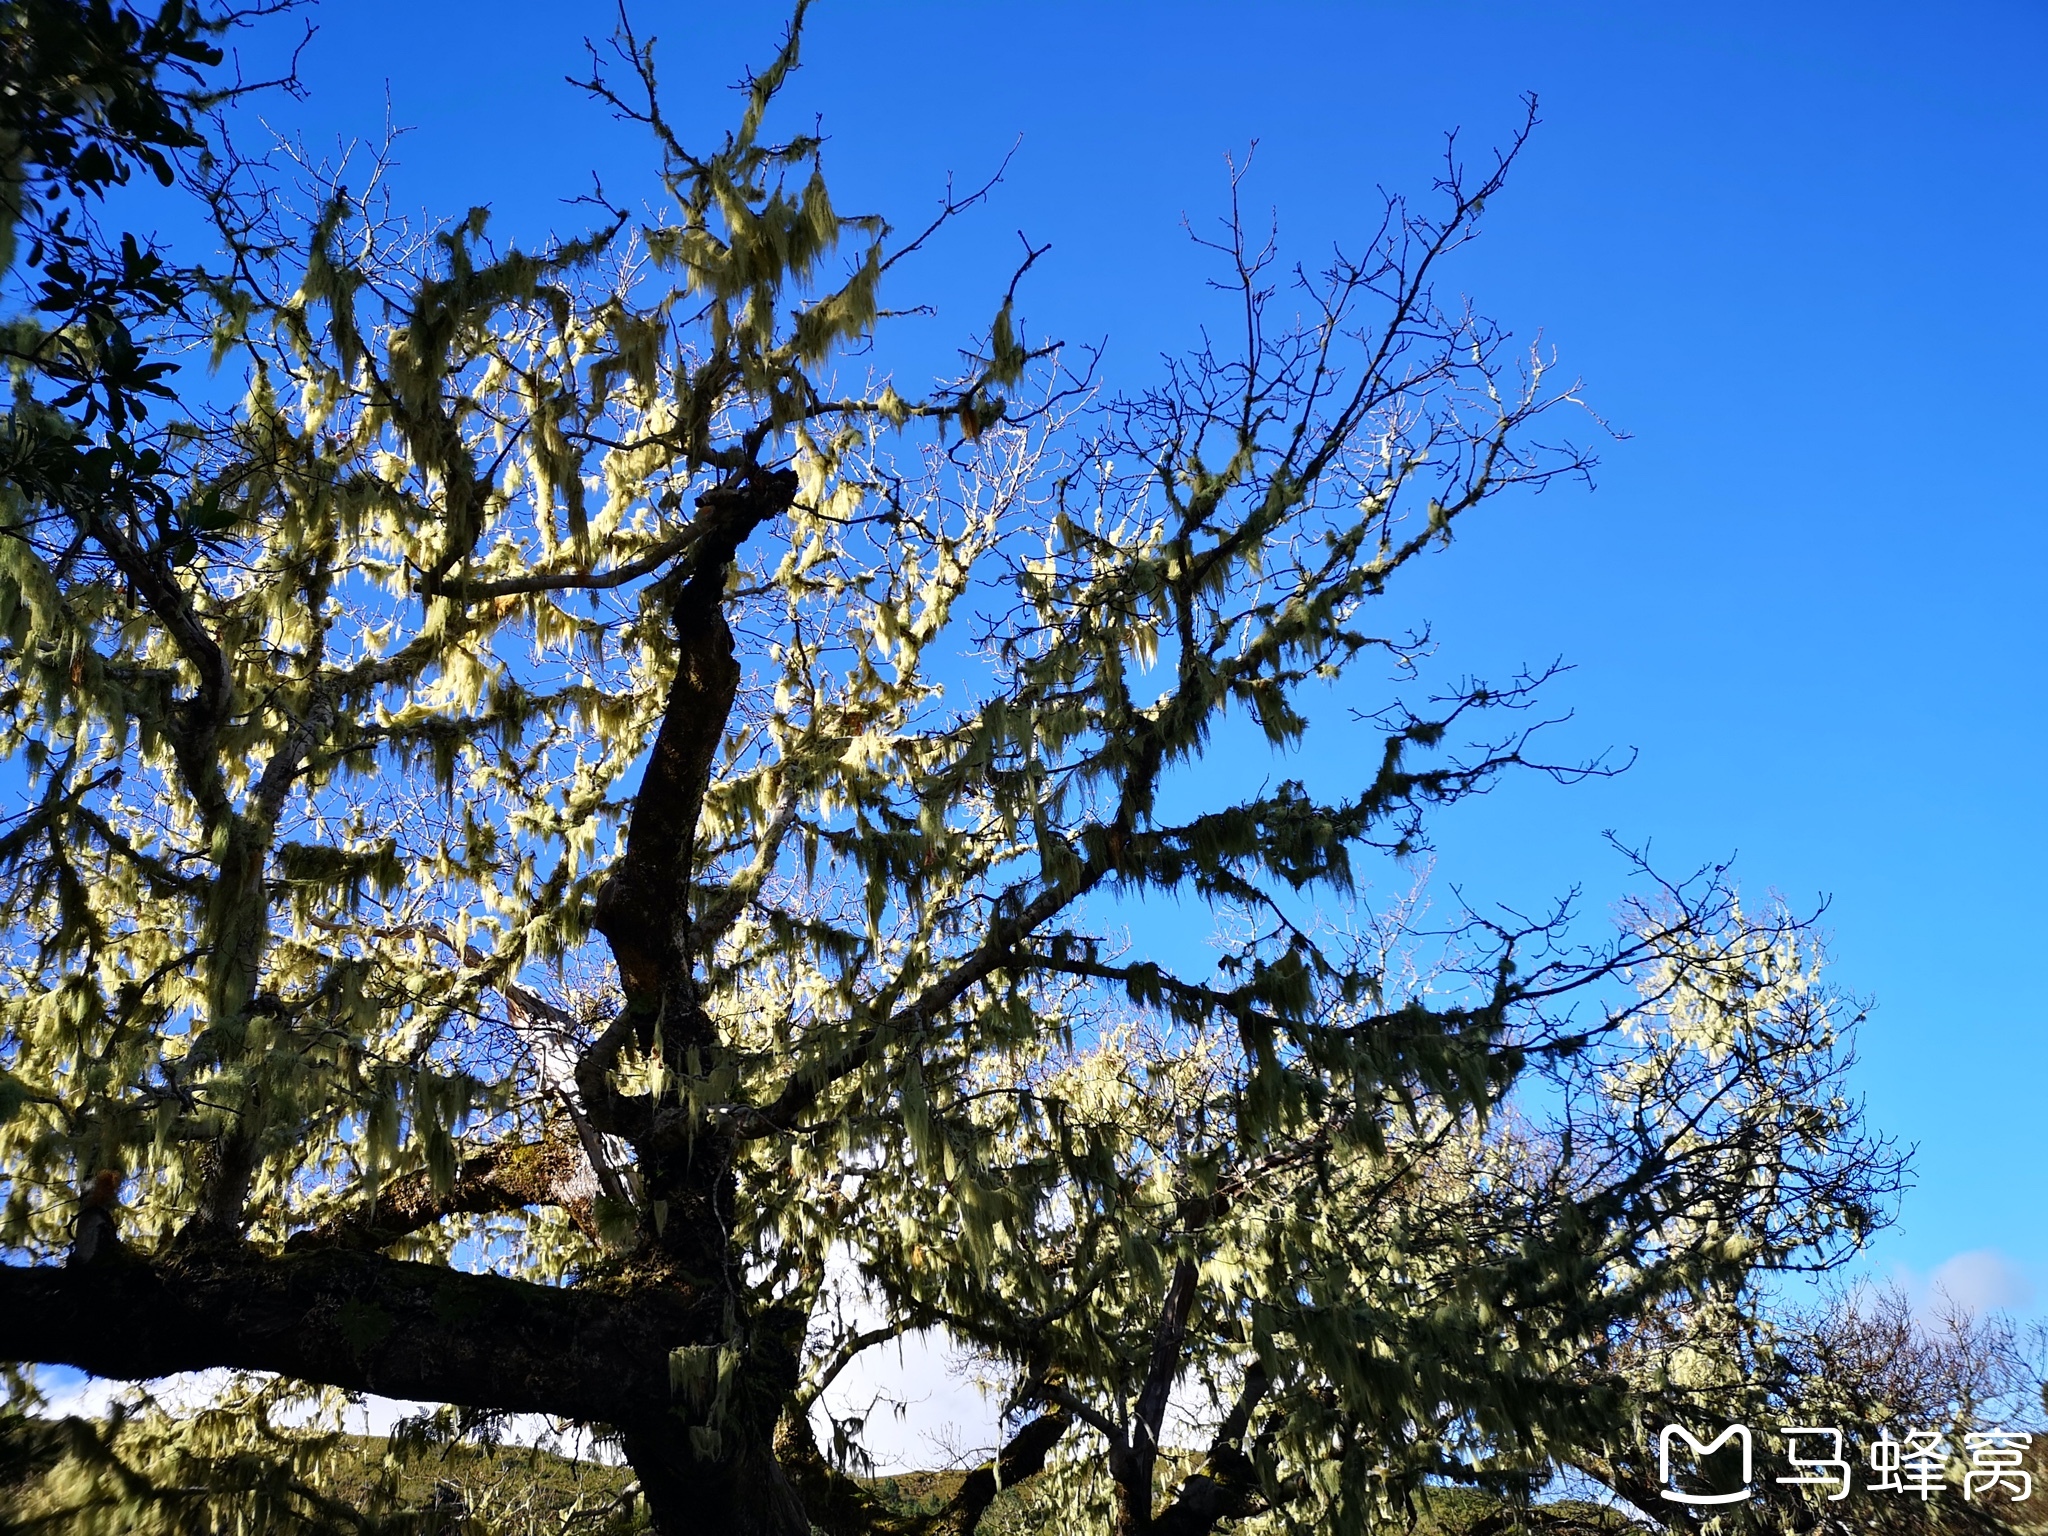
(1133, 1470)
(565, 581)
(200, 719)
(722, 912)
(1025, 1456)
(360, 1322)
(1227, 1486)
(1167, 1337)
(508, 1176)
(995, 953)
(643, 908)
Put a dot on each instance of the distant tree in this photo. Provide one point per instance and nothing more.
(1862, 1360)
(569, 851)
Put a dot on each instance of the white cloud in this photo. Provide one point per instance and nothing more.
(919, 1406)
(1984, 1280)
(1981, 1280)
(71, 1392)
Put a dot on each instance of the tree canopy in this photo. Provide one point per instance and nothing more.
(577, 835)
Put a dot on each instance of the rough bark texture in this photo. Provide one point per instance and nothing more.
(360, 1321)
(505, 1177)
(644, 910)
(720, 1476)
(1023, 1457)
(741, 1490)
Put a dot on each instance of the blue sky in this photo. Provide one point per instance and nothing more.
(1795, 253)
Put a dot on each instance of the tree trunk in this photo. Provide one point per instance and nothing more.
(375, 1324)
(742, 1491)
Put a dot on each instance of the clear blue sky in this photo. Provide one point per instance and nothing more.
(1794, 250)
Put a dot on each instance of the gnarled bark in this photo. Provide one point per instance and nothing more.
(358, 1321)
(505, 1176)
